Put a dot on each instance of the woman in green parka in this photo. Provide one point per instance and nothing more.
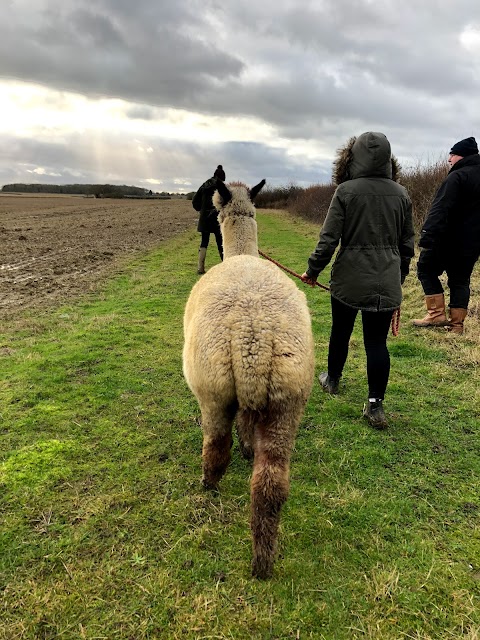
(208, 220)
(371, 217)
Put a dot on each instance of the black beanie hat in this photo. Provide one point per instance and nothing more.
(466, 147)
(219, 173)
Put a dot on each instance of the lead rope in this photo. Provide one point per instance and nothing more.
(395, 315)
(292, 273)
(396, 322)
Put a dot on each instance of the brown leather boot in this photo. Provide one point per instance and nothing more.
(457, 316)
(436, 316)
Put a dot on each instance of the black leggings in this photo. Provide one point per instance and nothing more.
(218, 237)
(375, 331)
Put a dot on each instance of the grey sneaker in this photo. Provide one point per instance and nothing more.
(329, 385)
(373, 412)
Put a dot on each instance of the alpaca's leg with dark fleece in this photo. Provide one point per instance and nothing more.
(269, 490)
(245, 424)
(217, 442)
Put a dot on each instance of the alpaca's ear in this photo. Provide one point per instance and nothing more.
(224, 192)
(254, 191)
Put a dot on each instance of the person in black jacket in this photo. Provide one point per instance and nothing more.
(208, 220)
(450, 239)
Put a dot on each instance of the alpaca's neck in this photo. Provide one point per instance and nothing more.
(239, 237)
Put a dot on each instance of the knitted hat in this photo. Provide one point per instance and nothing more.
(219, 173)
(466, 147)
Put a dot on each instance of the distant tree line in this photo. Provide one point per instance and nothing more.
(98, 190)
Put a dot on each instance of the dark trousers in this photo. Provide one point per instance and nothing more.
(432, 264)
(375, 331)
(218, 237)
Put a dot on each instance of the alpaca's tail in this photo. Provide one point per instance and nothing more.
(252, 363)
(252, 393)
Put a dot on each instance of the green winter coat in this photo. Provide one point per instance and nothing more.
(371, 216)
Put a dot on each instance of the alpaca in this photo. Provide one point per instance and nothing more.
(248, 356)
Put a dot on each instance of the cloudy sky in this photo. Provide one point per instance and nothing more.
(156, 93)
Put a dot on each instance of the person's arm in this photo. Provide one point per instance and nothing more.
(329, 237)
(407, 243)
(197, 199)
(435, 226)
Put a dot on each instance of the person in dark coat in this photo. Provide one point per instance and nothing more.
(370, 215)
(450, 239)
(208, 220)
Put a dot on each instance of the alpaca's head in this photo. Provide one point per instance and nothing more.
(235, 199)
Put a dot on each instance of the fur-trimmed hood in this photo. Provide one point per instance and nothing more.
(369, 155)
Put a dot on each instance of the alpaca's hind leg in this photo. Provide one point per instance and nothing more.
(244, 424)
(269, 490)
(217, 442)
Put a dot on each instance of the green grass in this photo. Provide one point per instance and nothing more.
(106, 533)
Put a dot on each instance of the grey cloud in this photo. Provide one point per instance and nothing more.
(415, 47)
(137, 56)
(140, 112)
(170, 53)
(315, 71)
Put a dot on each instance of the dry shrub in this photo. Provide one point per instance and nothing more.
(277, 197)
(422, 182)
(311, 203)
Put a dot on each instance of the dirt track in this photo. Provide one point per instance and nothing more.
(53, 248)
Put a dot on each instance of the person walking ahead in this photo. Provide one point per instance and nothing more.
(450, 239)
(208, 220)
(371, 216)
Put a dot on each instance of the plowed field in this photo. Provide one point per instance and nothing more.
(53, 248)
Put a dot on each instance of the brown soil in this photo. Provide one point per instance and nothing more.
(53, 248)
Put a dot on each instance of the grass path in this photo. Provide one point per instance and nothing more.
(106, 534)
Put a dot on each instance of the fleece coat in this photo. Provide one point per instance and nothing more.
(248, 336)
